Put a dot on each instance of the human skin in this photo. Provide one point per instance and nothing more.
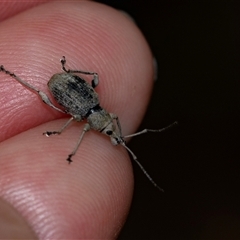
(91, 197)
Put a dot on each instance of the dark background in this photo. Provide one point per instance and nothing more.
(196, 44)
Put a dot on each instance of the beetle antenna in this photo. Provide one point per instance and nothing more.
(141, 167)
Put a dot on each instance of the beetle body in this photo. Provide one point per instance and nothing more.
(79, 99)
(77, 96)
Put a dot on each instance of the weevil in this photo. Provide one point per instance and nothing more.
(80, 100)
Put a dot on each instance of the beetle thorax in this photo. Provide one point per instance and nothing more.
(98, 120)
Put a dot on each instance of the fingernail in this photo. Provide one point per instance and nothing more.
(12, 224)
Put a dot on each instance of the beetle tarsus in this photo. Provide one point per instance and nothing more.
(48, 134)
(69, 159)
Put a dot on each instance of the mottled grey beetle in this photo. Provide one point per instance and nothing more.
(80, 100)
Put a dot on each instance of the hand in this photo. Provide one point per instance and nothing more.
(90, 198)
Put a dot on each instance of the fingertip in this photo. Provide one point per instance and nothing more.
(88, 198)
(93, 37)
(96, 189)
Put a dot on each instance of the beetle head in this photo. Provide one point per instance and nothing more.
(111, 131)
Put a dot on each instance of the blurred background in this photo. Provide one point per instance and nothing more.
(196, 44)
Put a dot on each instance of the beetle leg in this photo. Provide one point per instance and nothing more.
(115, 117)
(151, 130)
(48, 133)
(85, 129)
(43, 95)
(95, 79)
